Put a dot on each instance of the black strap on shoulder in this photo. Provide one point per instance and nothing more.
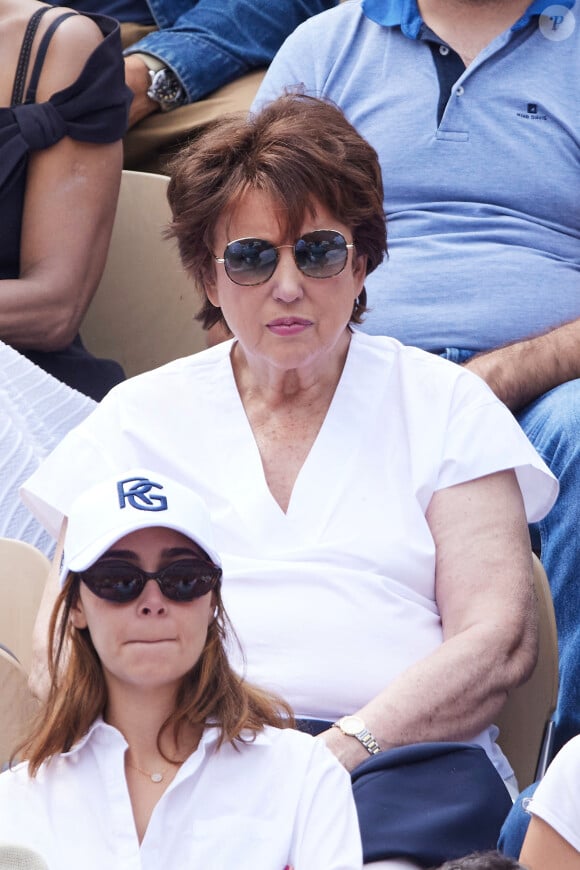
(24, 59)
(23, 63)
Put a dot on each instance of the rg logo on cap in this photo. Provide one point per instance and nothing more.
(135, 492)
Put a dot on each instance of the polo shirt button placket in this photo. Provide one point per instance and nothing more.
(459, 91)
(444, 50)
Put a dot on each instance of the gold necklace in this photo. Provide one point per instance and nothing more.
(157, 776)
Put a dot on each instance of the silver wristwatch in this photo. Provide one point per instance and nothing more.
(164, 86)
(353, 726)
(165, 89)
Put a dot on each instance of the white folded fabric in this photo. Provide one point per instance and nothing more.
(36, 411)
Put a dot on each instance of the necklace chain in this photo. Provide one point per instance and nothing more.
(156, 776)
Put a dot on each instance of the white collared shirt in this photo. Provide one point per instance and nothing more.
(282, 799)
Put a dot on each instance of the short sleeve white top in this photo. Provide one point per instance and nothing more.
(557, 798)
(282, 799)
(346, 575)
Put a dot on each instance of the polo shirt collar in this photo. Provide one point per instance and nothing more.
(405, 13)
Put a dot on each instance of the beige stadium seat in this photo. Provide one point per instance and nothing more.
(23, 574)
(142, 314)
(16, 705)
(525, 723)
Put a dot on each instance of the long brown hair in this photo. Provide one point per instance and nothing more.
(210, 692)
(298, 150)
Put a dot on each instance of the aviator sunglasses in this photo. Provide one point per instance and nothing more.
(319, 254)
(121, 582)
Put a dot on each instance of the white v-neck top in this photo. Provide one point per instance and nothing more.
(334, 598)
(283, 799)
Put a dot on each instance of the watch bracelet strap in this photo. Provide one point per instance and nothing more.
(368, 741)
(364, 737)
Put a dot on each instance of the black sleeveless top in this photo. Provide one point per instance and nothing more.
(94, 108)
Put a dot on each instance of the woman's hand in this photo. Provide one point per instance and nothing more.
(347, 749)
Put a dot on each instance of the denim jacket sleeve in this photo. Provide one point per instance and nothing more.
(209, 43)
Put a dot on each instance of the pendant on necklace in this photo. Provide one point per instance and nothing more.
(156, 777)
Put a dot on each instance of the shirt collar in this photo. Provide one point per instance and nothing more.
(101, 732)
(405, 13)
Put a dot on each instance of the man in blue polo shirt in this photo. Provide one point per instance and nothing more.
(473, 107)
(200, 58)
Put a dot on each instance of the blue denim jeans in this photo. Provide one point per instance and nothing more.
(516, 824)
(552, 423)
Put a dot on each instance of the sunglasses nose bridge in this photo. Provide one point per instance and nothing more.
(287, 275)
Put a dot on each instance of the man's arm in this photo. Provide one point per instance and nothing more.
(518, 373)
(214, 43)
(484, 591)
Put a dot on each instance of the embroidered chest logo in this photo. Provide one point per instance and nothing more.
(532, 113)
(136, 492)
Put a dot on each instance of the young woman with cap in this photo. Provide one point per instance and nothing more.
(151, 752)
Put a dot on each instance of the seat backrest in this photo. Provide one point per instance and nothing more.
(525, 720)
(143, 311)
(23, 574)
(16, 705)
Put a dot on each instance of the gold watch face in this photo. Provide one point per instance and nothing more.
(351, 725)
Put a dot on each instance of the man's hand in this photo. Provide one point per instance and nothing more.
(521, 372)
(500, 374)
(137, 78)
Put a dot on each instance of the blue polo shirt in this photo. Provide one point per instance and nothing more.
(481, 166)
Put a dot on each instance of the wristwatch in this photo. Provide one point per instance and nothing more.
(164, 88)
(353, 726)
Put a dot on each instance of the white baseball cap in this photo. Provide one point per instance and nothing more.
(135, 499)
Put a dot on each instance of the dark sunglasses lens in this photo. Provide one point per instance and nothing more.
(250, 261)
(114, 581)
(186, 580)
(321, 254)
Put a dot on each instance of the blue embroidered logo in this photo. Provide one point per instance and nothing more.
(135, 491)
(532, 113)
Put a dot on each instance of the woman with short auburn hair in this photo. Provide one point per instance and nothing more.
(282, 153)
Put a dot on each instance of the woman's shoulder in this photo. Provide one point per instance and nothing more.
(72, 44)
(556, 800)
(200, 370)
(14, 781)
(295, 747)
(412, 364)
(566, 765)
